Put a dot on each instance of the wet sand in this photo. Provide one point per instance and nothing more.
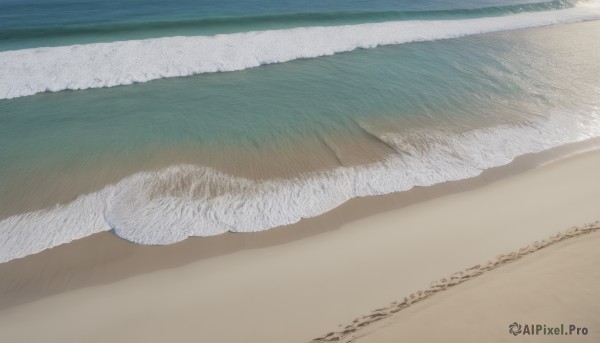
(293, 283)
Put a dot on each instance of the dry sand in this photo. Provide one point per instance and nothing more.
(102, 289)
(559, 285)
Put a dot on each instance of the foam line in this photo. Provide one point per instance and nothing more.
(30, 71)
(169, 205)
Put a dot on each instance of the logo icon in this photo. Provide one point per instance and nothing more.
(515, 328)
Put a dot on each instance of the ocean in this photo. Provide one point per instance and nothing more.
(164, 120)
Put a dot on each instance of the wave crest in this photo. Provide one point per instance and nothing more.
(169, 205)
(280, 20)
(30, 71)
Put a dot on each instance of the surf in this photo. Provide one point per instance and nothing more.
(231, 24)
(77, 67)
(169, 205)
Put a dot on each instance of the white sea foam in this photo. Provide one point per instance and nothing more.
(30, 71)
(33, 232)
(169, 205)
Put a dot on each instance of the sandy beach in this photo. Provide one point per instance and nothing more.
(299, 171)
(286, 285)
(554, 287)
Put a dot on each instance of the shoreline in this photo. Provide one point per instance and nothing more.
(143, 206)
(293, 291)
(104, 258)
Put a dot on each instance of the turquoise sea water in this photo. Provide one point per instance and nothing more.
(255, 148)
(53, 23)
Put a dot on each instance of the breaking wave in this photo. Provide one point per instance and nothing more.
(233, 24)
(169, 205)
(30, 71)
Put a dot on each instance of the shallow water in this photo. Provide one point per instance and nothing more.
(257, 148)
